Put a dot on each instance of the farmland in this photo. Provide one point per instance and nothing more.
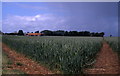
(7, 66)
(69, 55)
(114, 43)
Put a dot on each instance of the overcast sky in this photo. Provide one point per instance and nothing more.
(77, 16)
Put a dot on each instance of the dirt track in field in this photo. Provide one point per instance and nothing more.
(24, 64)
(107, 62)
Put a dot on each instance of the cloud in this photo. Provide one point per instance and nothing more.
(32, 23)
(31, 7)
(80, 16)
(55, 22)
(46, 7)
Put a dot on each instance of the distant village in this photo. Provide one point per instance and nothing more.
(56, 33)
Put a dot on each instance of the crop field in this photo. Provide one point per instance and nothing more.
(69, 55)
(114, 43)
(7, 66)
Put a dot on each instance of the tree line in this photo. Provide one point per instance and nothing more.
(72, 33)
(20, 33)
(61, 33)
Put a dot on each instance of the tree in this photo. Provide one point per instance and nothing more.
(36, 31)
(110, 35)
(59, 33)
(47, 32)
(96, 34)
(66, 33)
(73, 33)
(20, 32)
(86, 33)
(1, 32)
(81, 33)
(102, 34)
(92, 34)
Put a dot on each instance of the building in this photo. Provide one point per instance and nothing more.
(34, 34)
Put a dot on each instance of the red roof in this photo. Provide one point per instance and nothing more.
(35, 34)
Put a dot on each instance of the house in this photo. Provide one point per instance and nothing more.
(34, 34)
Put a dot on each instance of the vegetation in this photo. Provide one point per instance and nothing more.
(14, 71)
(7, 63)
(69, 55)
(61, 33)
(114, 43)
(19, 64)
(20, 32)
(71, 33)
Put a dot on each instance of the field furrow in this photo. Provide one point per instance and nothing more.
(69, 55)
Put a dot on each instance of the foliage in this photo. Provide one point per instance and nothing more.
(20, 32)
(36, 31)
(19, 64)
(62, 33)
(71, 33)
(7, 65)
(70, 55)
(114, 43)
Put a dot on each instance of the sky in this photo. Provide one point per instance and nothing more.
(69, 16)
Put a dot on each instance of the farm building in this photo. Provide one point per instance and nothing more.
(34, 34)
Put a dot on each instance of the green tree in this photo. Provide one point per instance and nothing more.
(36, 31)
(20, 32)
(102, 34)
(47, 32)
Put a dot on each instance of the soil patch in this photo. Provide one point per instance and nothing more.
(107, 62)
(24, 64)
